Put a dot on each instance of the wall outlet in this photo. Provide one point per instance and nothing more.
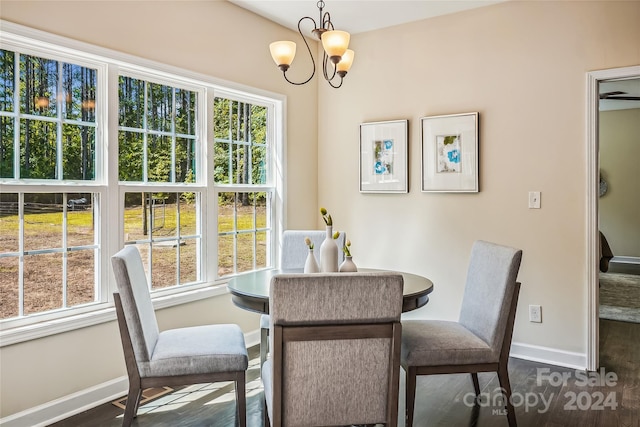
(535, 313)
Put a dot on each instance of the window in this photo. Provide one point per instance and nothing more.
(157, 143)
(242, 175)
(198, 208)
(48, 241)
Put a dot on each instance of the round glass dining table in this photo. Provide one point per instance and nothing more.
(250, 291)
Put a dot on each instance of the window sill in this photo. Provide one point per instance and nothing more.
(52, 327)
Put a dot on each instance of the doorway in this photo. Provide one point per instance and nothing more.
(596, 80)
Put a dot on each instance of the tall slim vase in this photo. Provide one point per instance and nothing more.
(329, 253)
(311, 265)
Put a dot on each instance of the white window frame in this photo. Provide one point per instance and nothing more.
(110, 64)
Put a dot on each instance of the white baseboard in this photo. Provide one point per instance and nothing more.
(625, 260)
(75, 403)
(550, 356)
(624, 265)
(72, 404)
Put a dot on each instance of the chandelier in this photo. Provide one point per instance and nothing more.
(336, 58)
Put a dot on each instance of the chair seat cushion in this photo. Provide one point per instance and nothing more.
(438, 342)
(197, 350)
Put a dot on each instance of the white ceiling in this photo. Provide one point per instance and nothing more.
(630, 87)
(357, 16)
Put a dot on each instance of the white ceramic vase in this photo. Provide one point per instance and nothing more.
(329, 253)
(348, 265)
(311, 265)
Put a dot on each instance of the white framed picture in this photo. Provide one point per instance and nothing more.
(384, 157)
(450, 153)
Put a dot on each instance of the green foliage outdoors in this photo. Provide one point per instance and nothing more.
(39, 98)
(240, 132)
(166, 115)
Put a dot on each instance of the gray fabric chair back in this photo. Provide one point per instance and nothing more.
(294, 249)
(132, 285)
(489, 292)
(334, 380)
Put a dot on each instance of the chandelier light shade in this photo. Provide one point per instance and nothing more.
(283, 53)
(336, 58)
(335, 44)
(345, 63)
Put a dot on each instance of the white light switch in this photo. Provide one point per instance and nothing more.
(534, 200)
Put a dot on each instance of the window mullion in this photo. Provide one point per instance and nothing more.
(149, 200)
(230, 142)
(173, 134)
(16, 115)
(145, 160)
(59, 116)
(255, 231)
(21, 250)
(178, 223)
(236, 234)
(250, 153)
(236, 144)
(65, 248)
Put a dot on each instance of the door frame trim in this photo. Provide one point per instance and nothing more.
(593, 178)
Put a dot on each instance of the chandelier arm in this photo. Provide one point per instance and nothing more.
(334, 86)
(326, 22)
(284, 73)
(325, 73)
(313, 62)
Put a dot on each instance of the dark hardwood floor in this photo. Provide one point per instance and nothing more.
(544, 395)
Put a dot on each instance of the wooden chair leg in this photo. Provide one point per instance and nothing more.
(503, 377)
(264, 345)
(476, 384)
(410, 397)
(131, 407)
(241, 400)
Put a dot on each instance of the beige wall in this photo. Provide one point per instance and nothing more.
(619, 159)
(521, 65)
(214, 38)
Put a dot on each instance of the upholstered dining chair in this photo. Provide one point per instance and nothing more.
(293, 254)
(335, 349)
(190, 355)
(480, 340)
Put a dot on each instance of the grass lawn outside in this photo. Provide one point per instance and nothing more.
(43, 272)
